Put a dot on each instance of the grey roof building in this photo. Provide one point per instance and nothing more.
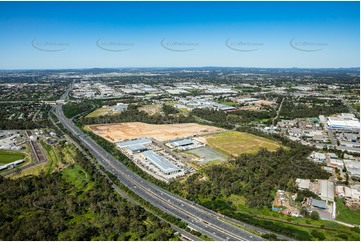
(165, 165)
(182, 142)
(137, 148)
(318, 203)
(327, 190)
(141, 141)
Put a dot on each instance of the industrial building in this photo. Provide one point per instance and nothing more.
(183, 142)
(11, 165)
(318, 203)
(119, 107)
(141, 141)
(327, 190)
(137, 148)
(303, 184)
(165, 165)
(343, 123)
(353, 168)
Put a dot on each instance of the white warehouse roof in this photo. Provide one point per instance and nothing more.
(340, 123)
(182, 142)
(165, 165)
(327, 190)
(140, 141)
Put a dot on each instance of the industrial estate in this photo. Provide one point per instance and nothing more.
(197, 150)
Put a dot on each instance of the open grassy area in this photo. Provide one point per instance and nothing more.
(8, 156)
(346, 214)
(237, 143)
(100, 112)
(78, 177)
(53, 158)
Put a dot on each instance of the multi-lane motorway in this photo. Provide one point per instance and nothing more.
(197, 217)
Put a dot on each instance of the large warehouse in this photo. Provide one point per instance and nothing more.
(183, 142)
(342, 123)
(165, 165)
(141, 141)
(327, 190)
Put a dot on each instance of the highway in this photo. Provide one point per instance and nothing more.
(199, 218)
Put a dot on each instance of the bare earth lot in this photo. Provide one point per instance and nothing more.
(162, 132)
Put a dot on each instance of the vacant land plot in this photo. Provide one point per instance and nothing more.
(100, 112)
(162, 132)
(236, 143)
(207, 154)
(151, 109)
(33, 170)
(7, 156)
(345, 214)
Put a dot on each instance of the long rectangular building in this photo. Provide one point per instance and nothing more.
(327, 190)
(141, 141)
(165, 165)
(340, 123)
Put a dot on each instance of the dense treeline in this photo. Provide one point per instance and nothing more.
(72, 109)
(48, 207)
(228, 120)
(256, 177)
(310, 107)
(132, 114)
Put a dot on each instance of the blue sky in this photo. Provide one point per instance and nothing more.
(50, 35)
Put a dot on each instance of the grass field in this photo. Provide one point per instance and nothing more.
(100, 112)
(237, 143)
(78, 177)
(8, 156)
(345, 214)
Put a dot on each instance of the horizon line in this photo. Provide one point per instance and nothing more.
(177, 67)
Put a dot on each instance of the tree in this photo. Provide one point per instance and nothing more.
(304, 212)
(315, 215)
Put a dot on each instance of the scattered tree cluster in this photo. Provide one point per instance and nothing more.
(132, 114)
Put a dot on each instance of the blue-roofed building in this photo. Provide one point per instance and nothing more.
(318, 203)
(183, 142)
(141, 141)
(165, 165)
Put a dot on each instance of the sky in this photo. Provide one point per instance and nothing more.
(57, 35)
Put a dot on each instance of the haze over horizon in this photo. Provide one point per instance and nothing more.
(81, 35)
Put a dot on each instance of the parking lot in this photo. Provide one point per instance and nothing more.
(207, 154)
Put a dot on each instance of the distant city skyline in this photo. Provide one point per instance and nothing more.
(71, 35)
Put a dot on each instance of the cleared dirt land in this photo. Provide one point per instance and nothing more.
(162, 132)
(151, 109)
(236, 143)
